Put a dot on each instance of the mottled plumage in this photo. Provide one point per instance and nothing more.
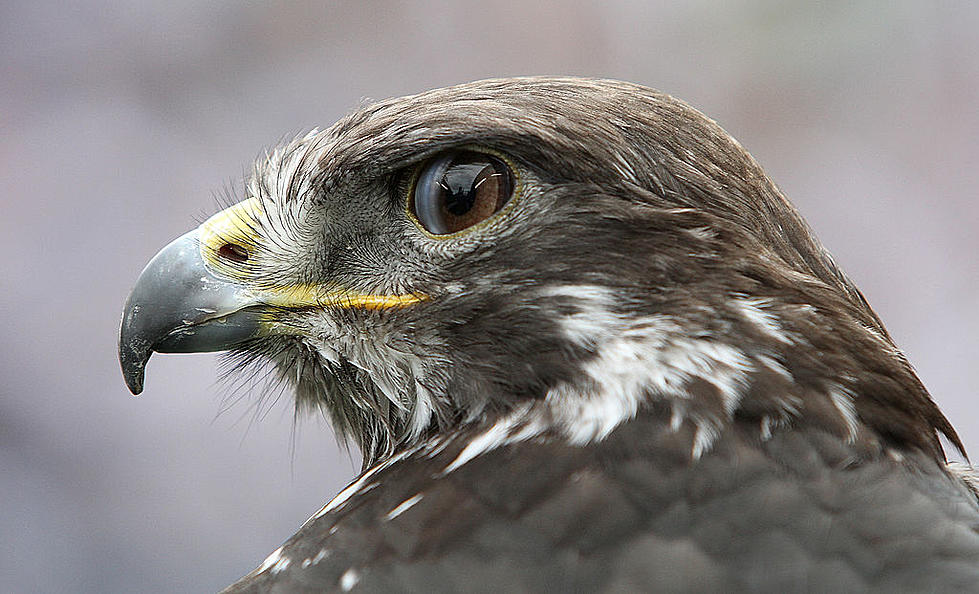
(644, 372)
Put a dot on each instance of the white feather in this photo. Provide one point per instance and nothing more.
(403, 506)
(842, 400)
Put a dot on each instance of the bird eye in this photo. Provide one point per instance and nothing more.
(459, 189)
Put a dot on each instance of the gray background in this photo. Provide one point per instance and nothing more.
(121, 122)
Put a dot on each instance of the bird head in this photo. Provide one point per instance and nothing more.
(563, 253)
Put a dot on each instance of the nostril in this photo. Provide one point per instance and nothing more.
(233, 252)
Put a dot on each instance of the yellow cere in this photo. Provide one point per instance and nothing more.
(237, 225)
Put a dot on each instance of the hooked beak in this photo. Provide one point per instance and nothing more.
(179, 306)
(191, 299)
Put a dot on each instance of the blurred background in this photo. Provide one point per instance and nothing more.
(122, 122)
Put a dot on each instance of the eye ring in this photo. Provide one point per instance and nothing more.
(461, 190)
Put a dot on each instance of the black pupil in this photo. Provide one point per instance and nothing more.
(459, 189)
(460, 183)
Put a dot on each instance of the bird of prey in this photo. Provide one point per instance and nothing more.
(582, 342)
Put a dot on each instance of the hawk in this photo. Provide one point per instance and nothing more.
(582, 342)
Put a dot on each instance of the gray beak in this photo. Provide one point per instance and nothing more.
(179, 306)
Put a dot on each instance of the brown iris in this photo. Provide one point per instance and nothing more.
(459, 189)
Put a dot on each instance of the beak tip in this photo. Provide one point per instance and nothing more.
(133, 369)
(135, 386)
(134, 353)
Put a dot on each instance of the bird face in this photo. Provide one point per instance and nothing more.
(360, 289)
(562, 251)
